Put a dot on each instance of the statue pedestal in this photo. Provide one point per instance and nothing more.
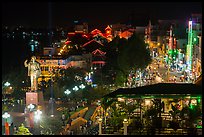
(35, 98)
(31, 98)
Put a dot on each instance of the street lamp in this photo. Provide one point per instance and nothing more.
(67, 92)
(100, 126)
(82, 86)
(75, 88)
(125, 123)
(31, 107)
(7, 84)
(6, 115)
(37, 117)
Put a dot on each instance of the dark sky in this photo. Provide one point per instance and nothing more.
(98, 13)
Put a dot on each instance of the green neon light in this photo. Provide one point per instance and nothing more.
(199, 100)
(189, 49)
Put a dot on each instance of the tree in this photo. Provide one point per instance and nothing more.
(124, 56)
(22, 130)
(151, 115)
(129, 108)
(190, 114)
(174, 113)
(105, 103)
(18, 93)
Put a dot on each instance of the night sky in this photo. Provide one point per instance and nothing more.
(45, 14)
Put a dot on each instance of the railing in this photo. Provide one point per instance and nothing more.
(95, 113)
(80, 113)
(132, 130)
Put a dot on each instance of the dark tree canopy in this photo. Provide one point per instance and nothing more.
(124, 56)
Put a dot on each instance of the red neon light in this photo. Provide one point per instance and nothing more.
(90, 42)
(95, 31)
(99, 51)
(98, 62)
(67, 42)
(108, 28)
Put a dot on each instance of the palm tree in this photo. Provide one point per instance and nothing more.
(105, 103)
(191, 114)
(129, 108)
(151, 115)
(175, 113)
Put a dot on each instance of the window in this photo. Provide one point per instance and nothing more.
(46, 68)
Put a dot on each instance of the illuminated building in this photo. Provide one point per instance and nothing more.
(197, 44)
(148, 32)
(118, 28)
(126, 34)
(98, 36)
(108, 33)
(189, 47)
(98, 59)
(94, 47)
(47, 65)
(164, 94)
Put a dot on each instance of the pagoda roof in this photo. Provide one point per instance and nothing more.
(108, 27)
(91, 42)
(161, 90)
(95, 31)
(98, 51)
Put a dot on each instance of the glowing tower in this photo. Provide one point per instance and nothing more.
(189, 48)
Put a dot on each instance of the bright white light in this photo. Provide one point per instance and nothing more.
(6, 115)
(38, 114)
(67, 92)
(194, 102)
(86, 78)
(82, 86)
(147, 102)
(75, 88)
(31, 106)
(7, 84)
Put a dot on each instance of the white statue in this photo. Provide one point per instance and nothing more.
(34, 72)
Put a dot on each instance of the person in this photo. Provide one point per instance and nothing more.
(33, 71)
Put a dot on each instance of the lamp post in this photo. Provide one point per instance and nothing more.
(31, 107)
(100, 126)
(6, 115)
(38, 114)
(125, 123)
